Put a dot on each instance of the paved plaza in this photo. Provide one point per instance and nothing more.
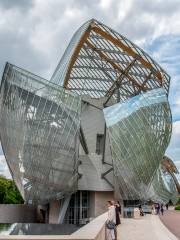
(171, 219)
(149, 227)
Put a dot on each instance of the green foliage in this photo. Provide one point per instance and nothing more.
(178, 203)
(5, 226)
(9, 193)
(177, 208)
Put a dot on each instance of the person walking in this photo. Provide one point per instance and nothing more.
(118, 212)
(140, 210)
(158, 208)
(167, 206)
(119, 207)
(111, 221)
(162, 209)
(118, 221)
(153, 211)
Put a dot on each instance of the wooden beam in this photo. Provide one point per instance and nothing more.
(145, 81)
(117, 42)
(125, 73)
(127, 49)
(75, 55)
(115, 66)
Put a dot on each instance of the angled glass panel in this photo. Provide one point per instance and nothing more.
(39, 127)
(163, 188)
(139, 131)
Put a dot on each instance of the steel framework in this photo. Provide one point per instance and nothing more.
(102, 63)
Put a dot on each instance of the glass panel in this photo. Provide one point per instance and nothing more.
(39, 126)
(78, 209)
(139, 131)
(163, 188)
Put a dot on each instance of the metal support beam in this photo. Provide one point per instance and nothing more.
(104, 144)
(63, 209)
(125, 73)
(109, 97)
(116, 67)
(100, 67)
(129, 50)
(118, 92)
(75, 54)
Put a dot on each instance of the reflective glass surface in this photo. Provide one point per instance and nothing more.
(139, 132)
(163, 188)
(39, 127)
(37, 229)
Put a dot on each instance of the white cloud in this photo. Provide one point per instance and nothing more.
(4, 170)
(165, 50)
(175, 140)
(34, 34)
(173, 150)
(177, 163)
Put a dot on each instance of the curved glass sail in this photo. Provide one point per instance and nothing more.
(98, 59)
(39, 127)
(163, 189)
(139, 131)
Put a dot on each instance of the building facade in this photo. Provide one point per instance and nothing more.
(97, 130)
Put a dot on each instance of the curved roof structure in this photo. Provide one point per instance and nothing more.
(102, 63)
(169, 165)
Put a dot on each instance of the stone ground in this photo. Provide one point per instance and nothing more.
(171, 219)
(148, 227)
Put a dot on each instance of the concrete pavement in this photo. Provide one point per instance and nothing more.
(148, 227)
(171, 219)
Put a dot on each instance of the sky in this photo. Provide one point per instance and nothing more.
(35, 33)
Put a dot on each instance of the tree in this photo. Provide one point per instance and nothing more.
(9, 193)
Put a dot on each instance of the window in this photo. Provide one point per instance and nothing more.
(99, 144)
(78, 209)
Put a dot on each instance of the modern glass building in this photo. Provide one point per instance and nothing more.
(101, 124)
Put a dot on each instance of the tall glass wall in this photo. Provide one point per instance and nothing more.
(39, 127)
(139, 131)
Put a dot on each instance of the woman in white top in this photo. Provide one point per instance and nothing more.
(111, 218)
